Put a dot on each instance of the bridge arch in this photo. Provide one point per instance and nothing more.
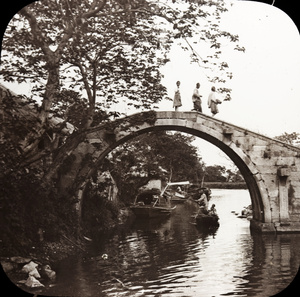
(255, 155)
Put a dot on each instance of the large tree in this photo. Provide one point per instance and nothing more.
(104, 51)
(108, 48)
(80, 56)
(215, 173)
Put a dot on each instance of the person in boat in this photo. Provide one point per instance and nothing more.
(247, 211)
(213, 210)
(203, 202)
(179, 190)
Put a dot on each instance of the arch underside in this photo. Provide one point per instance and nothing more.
(248, 174)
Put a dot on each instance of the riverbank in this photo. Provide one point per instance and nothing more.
(225, 185)
(45, 253)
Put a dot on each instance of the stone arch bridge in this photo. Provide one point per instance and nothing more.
(270, 168)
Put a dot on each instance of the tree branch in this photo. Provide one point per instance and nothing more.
(35, 30)
(78, 20)
(94, 9)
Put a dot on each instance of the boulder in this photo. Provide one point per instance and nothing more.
(20, 260)
(7, 266)
(22, 281)
(34, 273)
(47, 272)
(29, 267)
(32, 282)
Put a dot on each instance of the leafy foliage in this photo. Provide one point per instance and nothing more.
(110, 49)
(219, 173)
(27, 206)
(290, 138)
(158, 155)
(70, 106)
(26, 203)
(18, 118)
(215, 173)
(98, 213)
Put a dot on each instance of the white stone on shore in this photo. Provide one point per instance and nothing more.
(32, 282)
(20, 260)
(51, 274)
(34, 273)
(29, 267)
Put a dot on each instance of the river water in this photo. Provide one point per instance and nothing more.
(173, 258)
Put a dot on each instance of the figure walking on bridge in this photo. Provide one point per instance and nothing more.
(197, 99)
(177, 97)
(213, 102)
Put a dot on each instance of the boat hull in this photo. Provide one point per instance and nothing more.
(150, 211)
(207, 221)
(178, 200)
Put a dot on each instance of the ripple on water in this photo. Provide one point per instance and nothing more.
(172, 258)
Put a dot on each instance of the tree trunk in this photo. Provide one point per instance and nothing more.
(63, 152)
(52, 87)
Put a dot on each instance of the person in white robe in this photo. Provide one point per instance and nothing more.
(213, 102)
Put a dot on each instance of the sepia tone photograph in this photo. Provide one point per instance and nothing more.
(149, 148)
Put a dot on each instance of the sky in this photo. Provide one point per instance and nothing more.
(266, 78)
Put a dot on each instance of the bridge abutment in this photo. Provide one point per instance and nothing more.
(257, 226)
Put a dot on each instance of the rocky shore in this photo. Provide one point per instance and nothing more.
(31, 272)
(34, 269)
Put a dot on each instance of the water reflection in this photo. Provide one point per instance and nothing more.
(275, 261)
(172, 257)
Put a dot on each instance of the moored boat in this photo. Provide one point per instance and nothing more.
(177, 195)
(151, 203)
(207, 221)
(246, 213)
(178, 198)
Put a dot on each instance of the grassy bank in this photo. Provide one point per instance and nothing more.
(225, 185)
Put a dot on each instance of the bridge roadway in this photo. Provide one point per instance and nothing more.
(270, 168)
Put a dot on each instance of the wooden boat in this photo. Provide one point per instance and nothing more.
(195, 190)
(178, 195)
(246, 213)
(151, 204)
(178, 198)
(207, 221)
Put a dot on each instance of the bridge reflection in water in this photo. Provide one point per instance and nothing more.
(173, 258)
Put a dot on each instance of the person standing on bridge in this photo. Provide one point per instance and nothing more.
(197, 99)
(213, 101)
(177, 97)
